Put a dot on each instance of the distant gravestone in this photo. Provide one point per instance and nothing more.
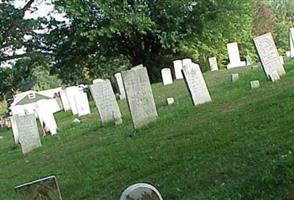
(139, 96)
(291, 41)
(14, 129)
(166, 76)
(186, 61)
(196, 84)
(234, 56)
(141, 191)
(269, 55)
(28, 133)
(106, 103)
(235, 77)
(178, 66)
(70, 93)
(64, 100)
(170, 101)
(213, 64)
(254, 84)
(120, 84)
(82, 104)
(42, 189)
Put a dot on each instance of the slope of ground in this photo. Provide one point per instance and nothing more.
(240, 146)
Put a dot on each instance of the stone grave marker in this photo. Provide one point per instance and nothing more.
(138, 67)
(28, 133)
(64, 100)
(170, 101)
(186, 61)
(234, 56)
(269, 55)
(139, 96)
(291, 41)
(213, 64)
(70, 93)
(274, 77)
(255, 84)
(82, 104)
(46, 117)
(141, 191)
(14, 129)
(196, 84)
(166, 76)
(235, 77)
(106, 103)
(120, 84)
(42, 189)
(282, 60)
(178, 66)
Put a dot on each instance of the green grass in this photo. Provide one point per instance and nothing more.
(240, 146)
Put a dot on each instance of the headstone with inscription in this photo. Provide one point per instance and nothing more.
(234, 56)
(141, 191)
(140, 97)
(291, 41)
(106, 103)
(269, 55)
(42, 189)
(120, 84)
(166, 76)
(196, 84)
(178, 66)
(213, 64)
(28, 133)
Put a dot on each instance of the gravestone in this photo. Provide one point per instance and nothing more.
(288, 54)
(138, 67)
(120, 84)
(235, 77)
(141, 191)
(234, 56)
(213, 64)
(269, 55)
(106, 103)
(186, 61)
(14, 129)
(170, 101)
(46, 117)
(139, 96)
(254, 84)
(166, 76)
(291, 41)
(196, 84)
(274, 77)
(97, 80)
(82, 104)
(28, 133)
(42, 189)
(178, 66)
(70, 93)
(64, 100)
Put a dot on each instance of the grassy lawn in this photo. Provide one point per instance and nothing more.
(240, 146)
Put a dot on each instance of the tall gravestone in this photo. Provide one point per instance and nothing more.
(70, 93)
(105, 101)
(178, 66)
(42, 189)
(141, 191)
(196, 84)
(14, 129)
(166, 76)
(120, 84)
(291, 41)
(234, 56)
(46, 117)
(139, 96)
(213, 64)
(269, 55)
(64, 100)
(28, 133)
(82, 104)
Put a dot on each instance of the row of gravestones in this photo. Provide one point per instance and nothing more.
(48, 189)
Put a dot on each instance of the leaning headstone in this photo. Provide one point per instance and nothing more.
(166, 76)
(269, 55)
(42, 189)
(234, 56)
(178, 66)
(28, 133)
(120, 84)
(213, 64)
(291, 41)
(140, 97)
(106, 103)
(141, 191)
(254, 84)
(235, 77)
(170, 101)
(196, 84)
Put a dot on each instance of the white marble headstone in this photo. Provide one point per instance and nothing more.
(213, 64)
(120, 84)
(70, 93)
(234, 56)
(82, 104)
(46, 116)
(186, 61)
(178, 66)
(166, 76)
(14, 129)
(141, 191)
(291, 41)
(65, 103)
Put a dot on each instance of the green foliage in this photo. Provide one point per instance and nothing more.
(44, 80)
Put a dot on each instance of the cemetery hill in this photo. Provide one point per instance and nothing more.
(146, 100)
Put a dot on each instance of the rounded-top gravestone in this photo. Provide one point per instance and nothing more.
(141, 191)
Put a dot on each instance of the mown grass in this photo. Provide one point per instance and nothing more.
(240, 146)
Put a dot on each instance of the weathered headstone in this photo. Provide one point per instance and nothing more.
(141, 191)
(70, 93)
(254, 84)
(14, 129)
(213, 64)
(120, 84)
(196, 84)
(28, 133)
(106, 103)
(166, 76)
(235, 77)
(42, 189)
(269, 55)
(178, 66)
(291, 41)
(82, 104)
(46, 117)
(65, 103)
(186, 61)
(234, 56)
(170, 101)
(140, 97)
